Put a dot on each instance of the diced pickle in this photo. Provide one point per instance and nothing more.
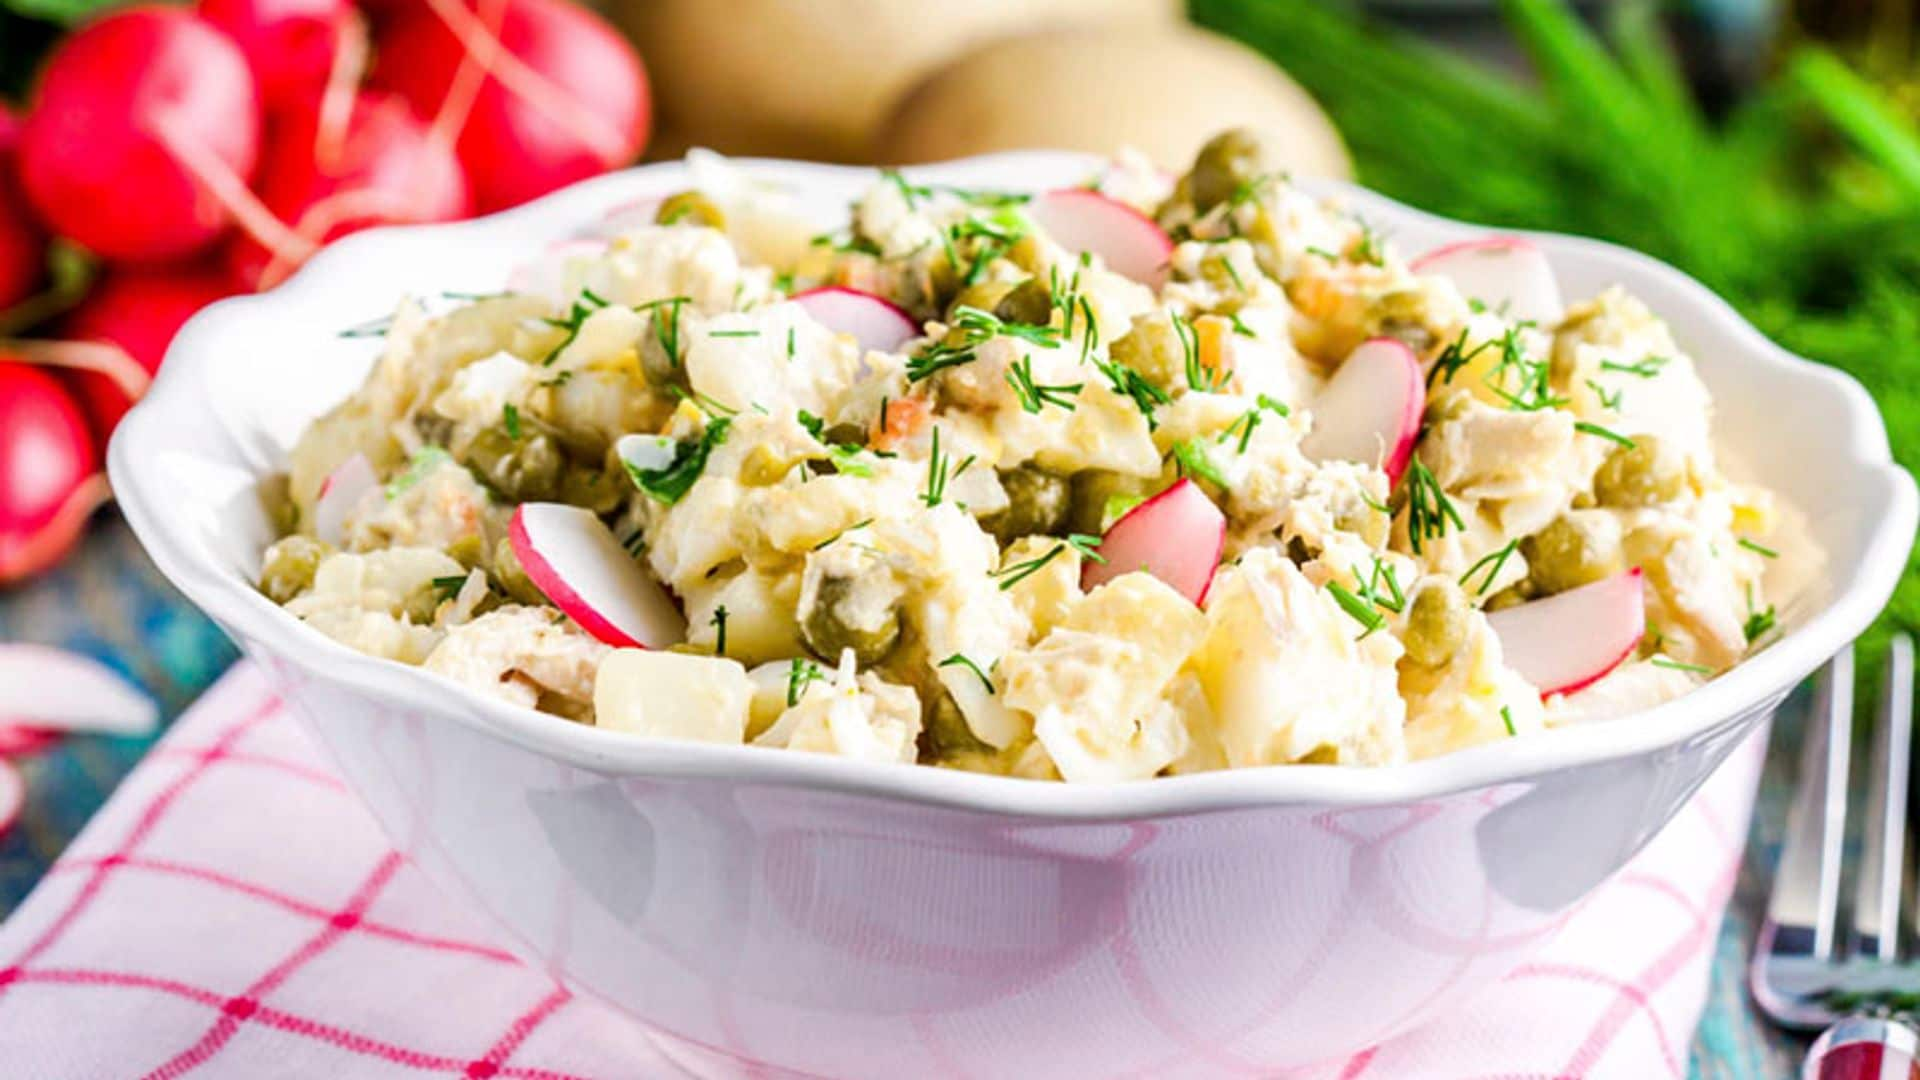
(1038, 504)
(944, 734)
(690, 208)
(511, 578)
(525, 469)
(290, 565)
(1029, 302)
(1227, 165)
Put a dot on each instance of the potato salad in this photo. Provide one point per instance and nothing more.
(1147, 476)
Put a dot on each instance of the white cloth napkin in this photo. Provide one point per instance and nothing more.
(233, 912)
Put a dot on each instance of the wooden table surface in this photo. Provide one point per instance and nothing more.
(109, 601)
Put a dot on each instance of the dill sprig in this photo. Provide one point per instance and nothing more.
(583, 305)
(938, 467)
(1129, 383)
(1190, 458)
(799, 673)
(1645, 368)
(960, 660)
(1361, 611)
(1087, 546)
(1034, 396)
(671, 482)
(1608, 434)
(719, 624)
(1429, 511)
(1493, 562)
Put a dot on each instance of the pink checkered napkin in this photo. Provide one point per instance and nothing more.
(234, 912)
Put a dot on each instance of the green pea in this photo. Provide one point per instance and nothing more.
(1038, 504)
(290, 565)
(1436, 622)
(1645, 474)
(828, 629)
(1577, 549)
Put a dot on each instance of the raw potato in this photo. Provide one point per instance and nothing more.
(1160, 91)
(811, 78)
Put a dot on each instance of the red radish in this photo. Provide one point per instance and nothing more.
(575, 561)
(540, 93)
(546, 274)
(52, 689)
(878, 324)
(385, 169)
(139, 309)
(290, 45)
(23, 245)
(1370, 410)
(145, 130)
(49, 478)
(340, 492)
(1506, 273)
(1176, 536)
(1571, 639)
(13, 795)
(19, 740)
(1128, 241)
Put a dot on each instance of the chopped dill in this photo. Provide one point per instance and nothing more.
(1758, 549)
(719, 624)
(510, 419)
(799, 674)
(1191, 459)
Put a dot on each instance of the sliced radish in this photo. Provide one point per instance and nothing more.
(574, 559)
(1176, 536)
(1571, 639)
(54, 689)
(546, 275)
(877, 323)
(1370, 410)
(1128, 241)
(340, 492)
(1506, 273)
(13, 794)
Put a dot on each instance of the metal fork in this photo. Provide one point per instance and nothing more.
(1809, 970)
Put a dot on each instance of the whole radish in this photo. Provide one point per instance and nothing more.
(138, 308)
(49, 476)
(143, 133)
(290, 45)
(23, 246)
(381, 167)
(540, 92)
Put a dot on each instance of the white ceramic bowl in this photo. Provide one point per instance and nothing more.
(852, 919)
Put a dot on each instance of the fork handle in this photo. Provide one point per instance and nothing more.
(1864, 1048)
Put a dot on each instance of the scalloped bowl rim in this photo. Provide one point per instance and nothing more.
(1725, 700)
